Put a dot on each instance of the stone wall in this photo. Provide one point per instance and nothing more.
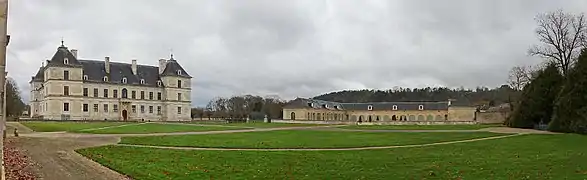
(495, 117)
(378, 123)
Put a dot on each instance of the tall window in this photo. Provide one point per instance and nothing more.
(85, 108)
(66, 90)
(115, 93)
(142, 94)
(133, 94)
(158, 110)
(178, 110)
(142, 108)
(151, 95)
(179, 83)
(124, 93)
(179, 96)
(151, 109)
(85, 92)
(134, 108)
(105, 93)
(105, 107)
(158, 96)
(66, 75)
(66, 107)
(95, 92)
(95, 107)
(115, 108)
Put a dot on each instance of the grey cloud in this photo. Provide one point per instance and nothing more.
(289, 48)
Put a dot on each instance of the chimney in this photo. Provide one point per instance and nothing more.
(107, 64)
(162, 64)
(134, 66)
(74, 52)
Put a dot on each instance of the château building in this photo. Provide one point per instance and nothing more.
(72, 88)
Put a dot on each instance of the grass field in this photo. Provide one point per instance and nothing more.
(421, 127)
(158, 128)
(68, 126)
(521, 157)
(302, 139)
(257, 124)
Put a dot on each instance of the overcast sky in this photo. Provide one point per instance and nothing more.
(288, 48)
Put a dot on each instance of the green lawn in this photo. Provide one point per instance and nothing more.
(159, 128)
(258, 124)
(68, 126)
(421, 127)
(523, 157)
(302, 139)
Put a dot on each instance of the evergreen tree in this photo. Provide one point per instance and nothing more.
(14, 104)
(570, 111)
(537, 99)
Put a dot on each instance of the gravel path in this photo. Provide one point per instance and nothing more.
(54, 157)
(322, 149)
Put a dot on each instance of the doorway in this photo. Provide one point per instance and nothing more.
(293, 116)
(124, 115)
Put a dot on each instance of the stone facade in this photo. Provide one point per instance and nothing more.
(68, 88)
(312, 110)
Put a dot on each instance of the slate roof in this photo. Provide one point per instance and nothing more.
(320, 104)
(96, 69)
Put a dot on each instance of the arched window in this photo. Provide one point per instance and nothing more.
(65, 61)
(124, 93)
(159, 83)
(421, 107)
(105, 79)
(124, 80)
(85, 77)
(369, 107)
(178, 72)
(142, 81)
(394, 107)
(293, 116)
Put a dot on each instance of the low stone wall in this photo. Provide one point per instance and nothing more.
(495, 117)
(311, 122)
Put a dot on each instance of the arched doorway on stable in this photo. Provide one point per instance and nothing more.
(376, 118)
(370, 118)
(430, 118)
(446, 117)
(361, 118)
(394, 118)
(124, 115)
(420, 117)
(292, 116)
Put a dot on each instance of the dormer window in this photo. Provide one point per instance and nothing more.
(124, 80)
(159, 83)
(394, 107)
(142, 81)
(85, 77)
(178, 72)
(370, 107)
(65, 61)
(326, 106)
(421, 107)
(105, 79)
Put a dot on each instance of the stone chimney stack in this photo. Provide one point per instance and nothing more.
(162, 64)
(107, 64)
(74, 52)
(134, 66)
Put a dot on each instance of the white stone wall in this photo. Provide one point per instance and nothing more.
(52, 99)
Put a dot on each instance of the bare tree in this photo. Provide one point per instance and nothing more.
(519, 76)
(562, 36)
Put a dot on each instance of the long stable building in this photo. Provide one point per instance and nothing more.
(69, 88)
(312, 109)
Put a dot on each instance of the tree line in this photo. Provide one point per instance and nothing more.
(481, 96)
(554, 95)
(14, 104)
(240, 107)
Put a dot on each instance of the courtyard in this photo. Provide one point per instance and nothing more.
(114, 150)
